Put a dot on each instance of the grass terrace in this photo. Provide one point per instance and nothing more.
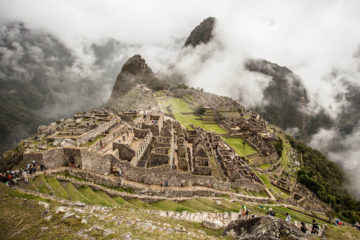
(178, 107)
(265, 166)
(273, 189)
(238, 146)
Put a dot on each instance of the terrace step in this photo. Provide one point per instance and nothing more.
(94, 198)
(42, 185)
(59, 191)
(122, 202)
(74, 194)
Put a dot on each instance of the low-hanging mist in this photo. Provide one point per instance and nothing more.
(70, 63)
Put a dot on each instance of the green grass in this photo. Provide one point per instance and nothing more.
(93, 197)
(106, 197)
(74, 194)
(237, 145)
(179, 106)
(137, 203)
(273, 189)
(30, 185)
(98, 137)
(198, 206)
(5, 190)
(40, 182)
(225, 206)
(251, 193)
(168, 205)
(343, 232)
(58, 189)
(295, 216)
(285, 150)
(122, 202)
(265, 166)
(216, 172)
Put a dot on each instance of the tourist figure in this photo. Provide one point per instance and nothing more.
(10, 180)
(338, 222)
(24, 175)
(315, 228)
(271, 212)
(28, 168)
(166, 184)
(72, 161)
(288, 218)
(42, 167)
(303, 227)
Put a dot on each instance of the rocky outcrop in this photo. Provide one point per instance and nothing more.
(202, 33)
(263, 228)
(134, 71)
(285, 94)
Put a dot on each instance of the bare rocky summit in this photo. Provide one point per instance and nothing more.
(135, 70)
(202, 33)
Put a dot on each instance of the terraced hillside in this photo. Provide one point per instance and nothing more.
(87, 195)
(46, 216)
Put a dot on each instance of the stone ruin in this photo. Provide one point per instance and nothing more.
(253, 130)
(106, 142)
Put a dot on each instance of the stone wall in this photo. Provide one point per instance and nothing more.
(100, 129)
(36, 156)
(153, 128)
(125, 152)
(74, 153)
(248, 185)
(183, 164)
(140, 133)
(204, 162)
(201, 170)
(109, 138)
(158, 175)
(54, 158)
(97, 162)
(158, 159)
(142, 148)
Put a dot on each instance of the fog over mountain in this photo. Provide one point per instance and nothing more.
(64, 56)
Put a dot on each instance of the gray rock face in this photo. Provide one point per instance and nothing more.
(134, 71)
(286, 94)
(202, 33)
(263, 228)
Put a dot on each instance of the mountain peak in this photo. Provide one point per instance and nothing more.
(202, 33)
(135, 70)
(136, 65)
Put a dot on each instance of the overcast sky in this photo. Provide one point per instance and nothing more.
(312, 38)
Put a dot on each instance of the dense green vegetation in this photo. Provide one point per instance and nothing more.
(326, 180)
(278, 146)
